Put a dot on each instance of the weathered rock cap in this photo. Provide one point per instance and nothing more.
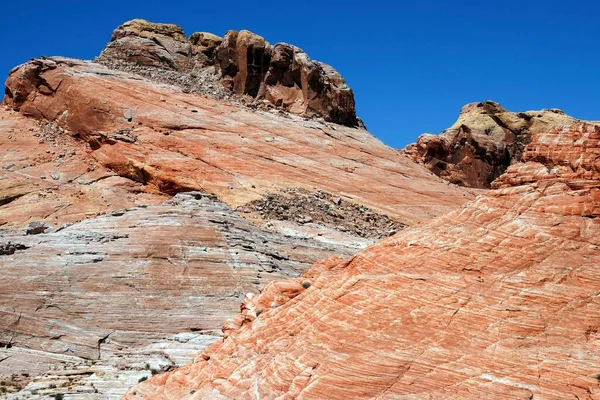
(483, 142)
(205, 39)
(246, 64)
(286, 76)
(151, 30)
(149, 44)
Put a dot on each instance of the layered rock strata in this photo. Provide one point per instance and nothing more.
(167, 142)
(48, 175)
(484, 141)
(496, 300)
(85, 307)
(91, 254)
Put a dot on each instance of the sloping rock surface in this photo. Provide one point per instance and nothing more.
(103, 282)
(47, 175)
(168, 141)
(106, 296)
(483, 142)
(496, 300)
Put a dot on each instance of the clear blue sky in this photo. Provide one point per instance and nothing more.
(412, 65)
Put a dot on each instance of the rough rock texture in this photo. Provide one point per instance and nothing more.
(285, 76)
(497, 300)
(108, 295)
(281, 75)
(303, 207)
(169, 142)
(483, 142)
(47, 175)
(243, 59)
(145, 43)
(136, 285)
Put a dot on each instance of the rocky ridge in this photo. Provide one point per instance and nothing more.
(484, 141)
(88, 230)
(496, 300)
(280, 76)
(164, 141)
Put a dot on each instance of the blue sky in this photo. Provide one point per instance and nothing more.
(412, 65)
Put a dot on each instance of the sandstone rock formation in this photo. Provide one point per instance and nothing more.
(282, 75)
(47, 175)
(496, 300)
(157, 45)
(168, 142)
(483, 142)
(121, 284)
(285, 76)
(105, 296)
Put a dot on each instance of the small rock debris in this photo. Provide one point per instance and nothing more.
(303, 207)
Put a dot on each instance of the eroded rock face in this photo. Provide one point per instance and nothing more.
(136, 285)
(164, 142)
(145, 43)
(145, 286)
(205, 43)
(483, 142)
(497, 300)
(243, 59)
(286, 77)
(282, 75)
(48, 175)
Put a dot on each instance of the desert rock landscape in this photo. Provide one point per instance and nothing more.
(206, 217)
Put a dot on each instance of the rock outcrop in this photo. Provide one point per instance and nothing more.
(164, 142)
(145, 286)
(496, 300)
(122, 283)
(285, 76)
(47, 175)
(483, 142)
(282, 75)
(156, 45)
(137, 215)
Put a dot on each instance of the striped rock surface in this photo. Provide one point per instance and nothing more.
(497, 300)
(171, 141)
(113, 297)
(122, 283)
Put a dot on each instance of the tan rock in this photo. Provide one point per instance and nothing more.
(483, 142)
(143, 28)
(150, 44)
(205, 39)
(205, 43)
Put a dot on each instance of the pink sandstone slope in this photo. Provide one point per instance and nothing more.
(170, 141)
(497, 300)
